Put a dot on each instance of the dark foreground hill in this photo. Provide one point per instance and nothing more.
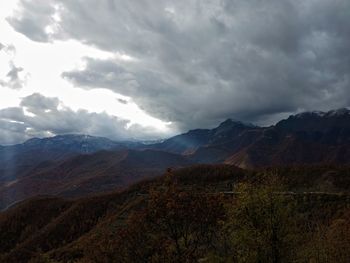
(188, 215)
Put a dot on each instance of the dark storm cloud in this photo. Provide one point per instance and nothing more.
(41, 116)
(198, 62)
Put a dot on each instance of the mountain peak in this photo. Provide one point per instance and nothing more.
(67, 138)
(338, 112)
(77, 143)
(230, 123)
(306, 114)
(322, 114)
(319, 121)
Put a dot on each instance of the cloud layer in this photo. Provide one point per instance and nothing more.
(15, 77)
(39, 116)
(197, 62)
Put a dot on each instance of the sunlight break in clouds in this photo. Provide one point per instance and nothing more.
(28, 67)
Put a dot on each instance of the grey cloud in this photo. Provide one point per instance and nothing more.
(12, 114)
(122, 101)
(10, 49)
(12, 128)
(14, 79)
(10, 137)
(199, 62)
(33, 19)
(46, 118)
(16, 127)
(37, 103)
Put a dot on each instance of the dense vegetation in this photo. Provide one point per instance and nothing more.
(200, 214)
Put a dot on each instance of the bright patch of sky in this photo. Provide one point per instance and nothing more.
(41, 65)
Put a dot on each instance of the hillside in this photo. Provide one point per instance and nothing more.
(17, 160)
(85, 174)
(89, 229)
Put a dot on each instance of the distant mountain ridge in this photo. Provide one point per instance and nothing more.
(73, 142)
(317, 121)
(194, 139)
(18, 159)
(78, 165)
(308, 137)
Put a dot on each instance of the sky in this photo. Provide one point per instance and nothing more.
(148, 69)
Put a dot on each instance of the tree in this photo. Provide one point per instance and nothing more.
(262, 223)
(330, 243)
(177, 226)
(41, 258)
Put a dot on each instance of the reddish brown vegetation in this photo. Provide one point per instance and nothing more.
(185, 217)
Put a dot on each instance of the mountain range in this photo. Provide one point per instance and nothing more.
(305, 138)
(79, 165)
(16, 160)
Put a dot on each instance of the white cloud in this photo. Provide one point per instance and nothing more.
(38, 68)
(43, 116)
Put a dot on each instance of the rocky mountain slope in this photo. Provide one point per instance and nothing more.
(305, 138)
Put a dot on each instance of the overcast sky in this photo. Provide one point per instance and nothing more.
(146, 69)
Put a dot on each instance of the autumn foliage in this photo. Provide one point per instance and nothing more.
(200, 214)
(176, 226)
